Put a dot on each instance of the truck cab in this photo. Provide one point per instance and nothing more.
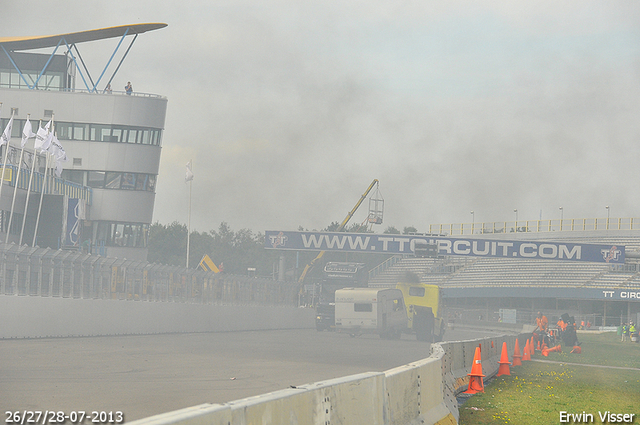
(423, 310)
(336, 276)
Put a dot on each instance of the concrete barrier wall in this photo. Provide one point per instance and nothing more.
(354, 399)
(422, 392)
(39, 317)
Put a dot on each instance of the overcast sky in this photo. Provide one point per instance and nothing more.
(289, 109)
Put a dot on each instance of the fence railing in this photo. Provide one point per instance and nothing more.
(54, 185)
(45, 272)
(558, 225)
(384, 266)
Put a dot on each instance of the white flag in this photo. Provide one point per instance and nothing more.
(27, 132)
(59, 162)
(43, 138)
(189, 176)
(56, 149)
(6, 136)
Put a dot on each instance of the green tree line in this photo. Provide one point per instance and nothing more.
(240, 250)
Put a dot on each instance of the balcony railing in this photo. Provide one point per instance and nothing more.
(537, 226)
(54, 185)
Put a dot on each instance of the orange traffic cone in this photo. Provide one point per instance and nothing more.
(555, 349)
(504, 361)
(475, 382)
(532, 349)
(538, 348)
(527, 352)
(576, 350)
(516, 355)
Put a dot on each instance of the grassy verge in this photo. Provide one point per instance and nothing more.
(536, 393)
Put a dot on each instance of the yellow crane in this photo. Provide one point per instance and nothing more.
(350, 214)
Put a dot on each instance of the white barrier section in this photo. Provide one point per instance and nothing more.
(202, 414)
(355, 400)
(39, 317)
(415, 392)
(423, 392)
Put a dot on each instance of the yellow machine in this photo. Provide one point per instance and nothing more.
(423, 310)
(375, 217)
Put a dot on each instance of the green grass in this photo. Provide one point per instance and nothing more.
(535, 392)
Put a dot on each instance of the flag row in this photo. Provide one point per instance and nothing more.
(45, 142)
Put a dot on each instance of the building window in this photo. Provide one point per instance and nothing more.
(105, 133)
(112, 180)
(75, 176)
(131, 235)
(128, 181)
(81, 132)
(96, 179)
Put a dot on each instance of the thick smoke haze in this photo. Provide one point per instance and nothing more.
(290, 109)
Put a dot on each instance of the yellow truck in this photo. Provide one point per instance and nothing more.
(424, 313)
(410, 308)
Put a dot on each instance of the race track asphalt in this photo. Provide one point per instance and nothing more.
(150, 374)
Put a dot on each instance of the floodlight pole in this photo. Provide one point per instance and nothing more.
(561, 217)
(473, 221)
(189, 223)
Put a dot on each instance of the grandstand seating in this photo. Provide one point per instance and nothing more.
(507, 272)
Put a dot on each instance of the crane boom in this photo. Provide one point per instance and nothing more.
(350, 214)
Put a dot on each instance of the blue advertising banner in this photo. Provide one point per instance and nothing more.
(611, 294)
(73, 222)
(405, 244)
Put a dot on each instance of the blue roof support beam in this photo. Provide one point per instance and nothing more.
(83, 64)
(112, 56)
(46, 65)
(77, 66)
(44, 68)
(35, 84)
(93, 86)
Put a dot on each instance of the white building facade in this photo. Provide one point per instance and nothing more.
(104, 199)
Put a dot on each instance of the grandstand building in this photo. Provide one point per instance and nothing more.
(481, 288)
(103, 201)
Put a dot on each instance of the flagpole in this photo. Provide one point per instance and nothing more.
(33, 168)
(189, 221)
(4, 163)
(15, 188)
(15, 192)
(44, 183)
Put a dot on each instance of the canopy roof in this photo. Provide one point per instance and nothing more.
(39, 42)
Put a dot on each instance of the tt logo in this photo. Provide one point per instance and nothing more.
(278, 240)
(611, 254)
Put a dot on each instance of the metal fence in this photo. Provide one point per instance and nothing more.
(519, 226)
(46, 272)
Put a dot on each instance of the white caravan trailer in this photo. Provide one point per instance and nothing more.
(370, 310)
